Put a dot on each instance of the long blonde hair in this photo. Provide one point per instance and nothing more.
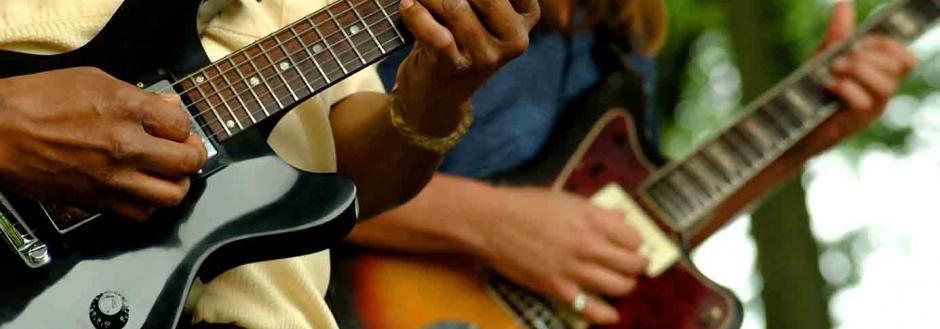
(641, 22)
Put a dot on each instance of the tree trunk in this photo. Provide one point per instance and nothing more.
(793, 289)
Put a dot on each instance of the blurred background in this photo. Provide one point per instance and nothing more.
(849, 243)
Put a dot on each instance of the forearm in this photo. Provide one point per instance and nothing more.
(443, 218)
(387, 169)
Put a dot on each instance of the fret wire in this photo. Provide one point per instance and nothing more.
(328, 46)
(667, 203)
(265, 79)
(274, 68)
(313, 58)
(389, 19)
(368, 28)
(237, 97)
(275, 98)
(222, 97)
(313, 26)
(251, 88)
(271, 62)
(694, 192)
(348, 40)
(211, 107)
(272, 89)
(293, 63)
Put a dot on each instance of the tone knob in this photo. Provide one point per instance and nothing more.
(109, 310)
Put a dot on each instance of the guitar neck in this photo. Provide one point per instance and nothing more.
(292, 64)
(688, 190)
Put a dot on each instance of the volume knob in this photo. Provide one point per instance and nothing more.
(109, 310)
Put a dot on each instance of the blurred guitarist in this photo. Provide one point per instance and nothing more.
(81, 137)
(559, 244)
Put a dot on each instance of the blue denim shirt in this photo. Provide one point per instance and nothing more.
(516, 110)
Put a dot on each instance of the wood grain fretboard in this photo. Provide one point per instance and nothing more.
(291, 65)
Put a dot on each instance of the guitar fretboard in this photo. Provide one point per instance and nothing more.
(291, 65)
(689, 189)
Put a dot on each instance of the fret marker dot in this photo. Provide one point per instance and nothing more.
(200, 79)
(254, 81)
(354, 29)
(230, 124)
(284, 66)
(317, 48)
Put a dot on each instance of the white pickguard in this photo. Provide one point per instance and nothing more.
(659, 248)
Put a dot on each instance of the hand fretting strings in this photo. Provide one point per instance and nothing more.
(324, 38)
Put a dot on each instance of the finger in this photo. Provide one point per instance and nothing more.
(152, 191)
(530, 11)
(841, 24)
(168, 158)
(894, 50)
(500, 17)
(463, 22)
(162, 116)
(613, 225)
(853, 94)
(595, 310)
(880, 85)
(132, 211)
(601, 279)
(428, 30)
(878, 60)
(626, 262)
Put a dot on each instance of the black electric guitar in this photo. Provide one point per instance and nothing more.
(70, 268)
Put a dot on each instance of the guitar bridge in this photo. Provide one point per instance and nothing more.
(20, 238)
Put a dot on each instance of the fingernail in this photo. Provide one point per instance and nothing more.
(405, 4)
(170, 97)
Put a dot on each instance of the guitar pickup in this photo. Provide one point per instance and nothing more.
(20, 238)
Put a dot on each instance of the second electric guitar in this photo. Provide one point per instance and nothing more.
(671, 207)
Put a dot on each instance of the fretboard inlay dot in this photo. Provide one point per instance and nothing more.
(284, 66)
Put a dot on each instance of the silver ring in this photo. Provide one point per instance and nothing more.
(579, 302)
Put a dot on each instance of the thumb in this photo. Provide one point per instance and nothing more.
(841, 24)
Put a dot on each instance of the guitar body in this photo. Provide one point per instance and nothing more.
(407, 292)
(246, 206)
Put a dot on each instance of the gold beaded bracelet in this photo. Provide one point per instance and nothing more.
(438, 145)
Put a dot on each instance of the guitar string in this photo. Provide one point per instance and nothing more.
(266, 104)
(303, 72)
(314, 28)
(333, 59)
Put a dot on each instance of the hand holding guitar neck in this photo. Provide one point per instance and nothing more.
(865, 79)
(81, 137)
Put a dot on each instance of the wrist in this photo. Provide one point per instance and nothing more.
(433, 104)
(494, 207)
